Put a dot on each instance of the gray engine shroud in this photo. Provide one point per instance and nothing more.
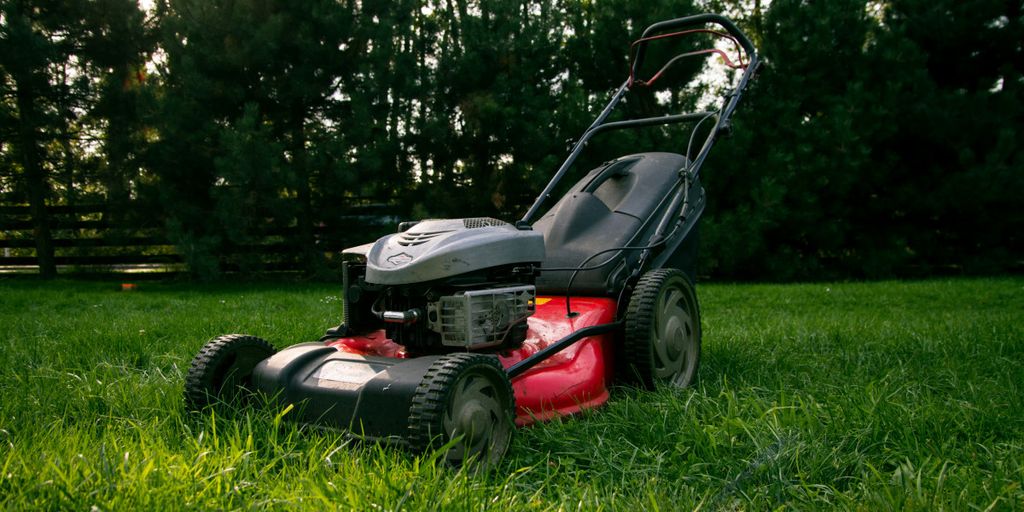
(437, 249)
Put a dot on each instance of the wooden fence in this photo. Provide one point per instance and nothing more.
(85, 241)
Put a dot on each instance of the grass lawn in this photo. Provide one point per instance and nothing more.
(873, 396)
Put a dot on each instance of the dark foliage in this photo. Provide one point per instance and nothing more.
(881, 138)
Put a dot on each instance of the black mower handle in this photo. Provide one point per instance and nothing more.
(721, 115)
(690, 21)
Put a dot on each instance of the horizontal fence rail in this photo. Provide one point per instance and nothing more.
(86, 240)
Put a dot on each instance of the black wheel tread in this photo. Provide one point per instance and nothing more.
(637, 346)
(197, 381)
(430, 399)
(639, 317)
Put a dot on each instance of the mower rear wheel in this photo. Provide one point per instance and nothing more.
(467, 398)
(222, 370)
(662, 334)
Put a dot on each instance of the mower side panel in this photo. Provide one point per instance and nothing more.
(574, 379)
(367, 395)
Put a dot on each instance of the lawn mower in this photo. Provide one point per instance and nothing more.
(456, 330)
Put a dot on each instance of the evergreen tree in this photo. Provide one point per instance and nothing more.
(956, 154)
(116, 44)
(36, 37)
(881, 138)
(242, 84)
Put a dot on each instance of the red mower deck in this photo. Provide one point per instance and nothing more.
(572, 380)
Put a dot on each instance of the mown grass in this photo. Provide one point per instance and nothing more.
(872, 396)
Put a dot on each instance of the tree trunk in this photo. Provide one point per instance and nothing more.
(307, 241)
(35, 180)
(70, 160)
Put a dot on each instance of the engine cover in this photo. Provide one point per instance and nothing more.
(438, 249)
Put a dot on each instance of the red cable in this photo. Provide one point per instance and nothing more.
(728, 62)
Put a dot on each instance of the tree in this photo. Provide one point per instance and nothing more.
(879, 140)
(512, 82)
(959, 133)
(882, 137)
(116, 45)
(253, 74)
(35, 37)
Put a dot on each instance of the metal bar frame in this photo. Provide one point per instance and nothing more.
(687, 175)
(722, 116)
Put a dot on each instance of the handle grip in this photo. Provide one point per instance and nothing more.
(690, 21)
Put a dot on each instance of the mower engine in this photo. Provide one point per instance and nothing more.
(445, 285)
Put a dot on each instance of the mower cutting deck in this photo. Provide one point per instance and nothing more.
(563, 384)
(455, 330)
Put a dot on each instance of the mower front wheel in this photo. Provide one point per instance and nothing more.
(662, 334)
(465, 399)
(222, 370)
